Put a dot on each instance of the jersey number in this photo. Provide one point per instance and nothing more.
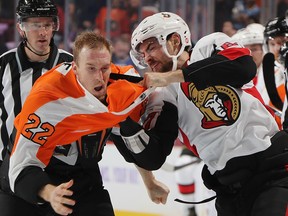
(46, 130)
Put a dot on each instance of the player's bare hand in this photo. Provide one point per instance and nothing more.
(58, 196)
(156, 79)
(158, 192)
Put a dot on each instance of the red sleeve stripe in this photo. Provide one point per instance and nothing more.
(234, 53)
(187, 189)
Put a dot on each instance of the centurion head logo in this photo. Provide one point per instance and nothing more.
(220, 105)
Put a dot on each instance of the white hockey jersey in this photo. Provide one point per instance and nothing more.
(220, 121)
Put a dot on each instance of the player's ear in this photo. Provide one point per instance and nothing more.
(175, 43)
(20, 30)
(175, 39)
(74, 67)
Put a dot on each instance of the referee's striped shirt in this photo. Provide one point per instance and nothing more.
(17, 75)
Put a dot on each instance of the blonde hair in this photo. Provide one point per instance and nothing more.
(90, 40)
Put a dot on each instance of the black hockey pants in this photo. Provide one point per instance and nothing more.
(254, 185)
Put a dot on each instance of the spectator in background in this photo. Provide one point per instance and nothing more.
(228, 28)
(3, 46)
(132, 8)
(59, 35)
(245, 12)
(73, 24)
(119, 21)
(121, 48)
(282, 7)
(6, 10)
(225, 6)
(86, 12)
(8, 17)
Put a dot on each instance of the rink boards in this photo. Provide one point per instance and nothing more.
(127, 191)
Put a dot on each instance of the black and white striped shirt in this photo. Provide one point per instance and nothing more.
(17, 75)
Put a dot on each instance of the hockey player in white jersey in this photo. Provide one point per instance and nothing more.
(219, 114)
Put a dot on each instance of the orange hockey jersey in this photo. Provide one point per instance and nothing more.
(59, 110)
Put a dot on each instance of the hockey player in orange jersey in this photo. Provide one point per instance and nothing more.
(70, 101)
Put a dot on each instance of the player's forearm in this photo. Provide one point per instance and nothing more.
(219, 70)
(147, 176)
(29, 182)
(175, 76)
(160, 79)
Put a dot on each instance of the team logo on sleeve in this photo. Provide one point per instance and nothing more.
(220, 105)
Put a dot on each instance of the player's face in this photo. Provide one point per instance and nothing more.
(257, 53)
(38, 31)
(275, 44)
(155, 56)
(93, 70)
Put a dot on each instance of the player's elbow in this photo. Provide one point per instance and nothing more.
(248, 68)
(152, 163)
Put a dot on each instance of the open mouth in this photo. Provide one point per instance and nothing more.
(42, 41)
(98, 88)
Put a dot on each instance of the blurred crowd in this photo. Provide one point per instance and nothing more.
(124, 16)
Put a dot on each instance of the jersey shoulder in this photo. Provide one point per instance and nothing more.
(8, 56)
(65, 56)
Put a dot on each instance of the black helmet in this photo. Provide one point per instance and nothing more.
(276, 27)
(36, 8)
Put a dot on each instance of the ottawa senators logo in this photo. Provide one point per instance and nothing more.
(220, 105)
